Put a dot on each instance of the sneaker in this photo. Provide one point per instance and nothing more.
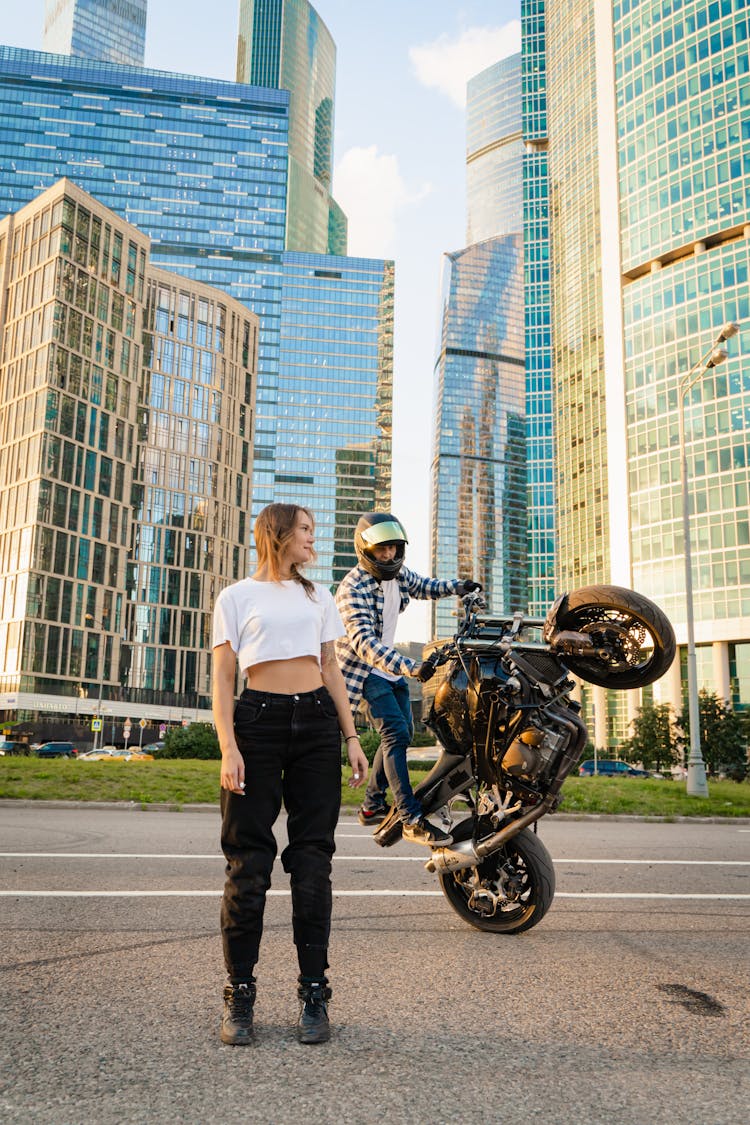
(423, 832)
(376, 816)
(313, 1025)
(237, 1019)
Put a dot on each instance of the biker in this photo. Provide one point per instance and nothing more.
(370, 598)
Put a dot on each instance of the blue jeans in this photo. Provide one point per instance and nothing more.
(390, 710)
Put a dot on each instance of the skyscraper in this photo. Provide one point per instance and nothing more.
(285, 44)
(126, 399)
(649, 219)
(479, 465)
(197, 164)
(105, 30)
(494, 151)
(540, 447)
(201, 167)
(334, 399)
(679, 92)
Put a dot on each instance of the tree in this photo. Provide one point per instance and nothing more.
(655, 741)
(196, 741)
(723, 736)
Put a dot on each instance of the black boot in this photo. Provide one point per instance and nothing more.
(313, 1025)
(237, 1020)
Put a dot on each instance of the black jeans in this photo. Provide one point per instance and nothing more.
(292, 751)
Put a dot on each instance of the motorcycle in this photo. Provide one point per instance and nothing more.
(510, 733)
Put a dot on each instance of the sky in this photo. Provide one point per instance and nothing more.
(399, 173)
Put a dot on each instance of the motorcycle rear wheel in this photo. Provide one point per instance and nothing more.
(636, 633)
(533, 864)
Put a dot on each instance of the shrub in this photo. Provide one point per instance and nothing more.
(423, 738)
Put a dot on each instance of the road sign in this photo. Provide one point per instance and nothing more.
(143, 723)
(126, 730)
(96, 724)
(162, 729)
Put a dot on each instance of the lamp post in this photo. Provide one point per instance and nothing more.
(90, 617)
(697, 785)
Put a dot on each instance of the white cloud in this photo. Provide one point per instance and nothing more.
(447, 64)
(369, 187)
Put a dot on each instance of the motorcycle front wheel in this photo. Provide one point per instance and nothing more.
(632, 631)
(509, 891)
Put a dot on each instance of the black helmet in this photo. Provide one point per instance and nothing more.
(375, 529)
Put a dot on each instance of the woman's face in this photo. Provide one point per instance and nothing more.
(298, 550)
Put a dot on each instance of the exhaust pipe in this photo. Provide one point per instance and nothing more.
(466, 854)
(454, 858)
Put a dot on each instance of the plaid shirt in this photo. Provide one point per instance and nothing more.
(360, 602)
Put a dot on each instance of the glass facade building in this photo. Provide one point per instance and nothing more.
(479, 465)
(333, 449)
(540, 451)
(105, 30)
(583, 550)
(649, 209)
(127, 399)
(682, 108)
(200, 166)
(494, 151)
(286, 45)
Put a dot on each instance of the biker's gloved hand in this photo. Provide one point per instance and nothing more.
(468, 586)
(425, 671)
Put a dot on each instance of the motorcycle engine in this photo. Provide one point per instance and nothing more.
(522, 758)
(529, 753)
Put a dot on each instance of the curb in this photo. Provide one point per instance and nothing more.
(349, 811)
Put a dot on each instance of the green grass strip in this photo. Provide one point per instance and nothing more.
(186, 782)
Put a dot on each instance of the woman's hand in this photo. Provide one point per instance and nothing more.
(233, 771)
(358, 762)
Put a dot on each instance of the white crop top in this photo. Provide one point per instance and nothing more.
(274, 620)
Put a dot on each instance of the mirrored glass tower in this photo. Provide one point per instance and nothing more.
(286, 45)
(105, 30)
(479, 461)
(648, 178)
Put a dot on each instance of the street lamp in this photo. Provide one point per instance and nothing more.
(90, 617)
(697, 785)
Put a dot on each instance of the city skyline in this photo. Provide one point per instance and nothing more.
(410, 164)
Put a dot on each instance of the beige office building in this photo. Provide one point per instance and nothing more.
(126, 413)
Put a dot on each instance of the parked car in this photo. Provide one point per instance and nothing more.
(154, 748)
(9, 748)
(610, 767)
(115, 754)
(56, 750)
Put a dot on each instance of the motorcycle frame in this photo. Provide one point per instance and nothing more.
(454, 774)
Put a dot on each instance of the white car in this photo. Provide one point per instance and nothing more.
(97, 755)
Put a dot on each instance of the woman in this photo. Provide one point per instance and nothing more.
(281, 742)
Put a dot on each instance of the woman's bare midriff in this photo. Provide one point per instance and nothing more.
(285, 677)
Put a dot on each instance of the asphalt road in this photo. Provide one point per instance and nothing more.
(633, 1008)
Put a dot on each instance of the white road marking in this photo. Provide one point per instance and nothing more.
(363, 894)
(373, 858)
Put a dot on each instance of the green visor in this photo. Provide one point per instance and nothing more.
(387, 532)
